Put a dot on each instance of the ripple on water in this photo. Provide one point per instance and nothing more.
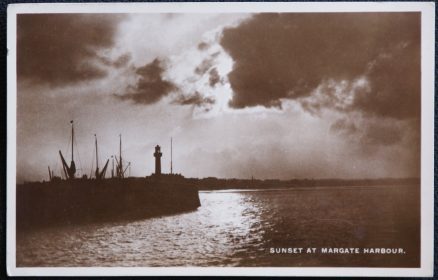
(235, 229)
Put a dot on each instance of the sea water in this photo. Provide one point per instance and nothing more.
(248, 228)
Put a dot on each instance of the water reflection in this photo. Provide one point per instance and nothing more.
(238, 228)
(226, 225)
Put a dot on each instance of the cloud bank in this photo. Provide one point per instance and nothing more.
(287, 56)
(363, 66)
(150, 86)
(63, 49)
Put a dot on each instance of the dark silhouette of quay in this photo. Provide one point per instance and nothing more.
(74, 200)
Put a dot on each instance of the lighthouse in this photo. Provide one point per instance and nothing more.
(157, 156)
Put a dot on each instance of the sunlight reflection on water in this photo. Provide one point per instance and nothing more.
(236, 229)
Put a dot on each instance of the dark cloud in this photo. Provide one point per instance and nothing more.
(395, 84)
(119, 62)
(289, 55)
(374, 132)
(343, 126)
(150, 86)
(203, 46)
(214, 77)
(205, 65)
(382, 134)
(194, 99)
(59, 49)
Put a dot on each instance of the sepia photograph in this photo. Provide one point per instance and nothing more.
(219, 138)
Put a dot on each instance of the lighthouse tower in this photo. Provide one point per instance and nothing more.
(157, 156)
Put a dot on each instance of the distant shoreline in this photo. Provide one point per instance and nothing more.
(295, 188)
(243, 184)
(212, 183)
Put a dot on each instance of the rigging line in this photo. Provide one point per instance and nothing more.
(79, 156)
(65, 153)
(56, 165)
(61, 172)
(92, 163)
(66, 149)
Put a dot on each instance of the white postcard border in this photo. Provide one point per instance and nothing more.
(427, 10)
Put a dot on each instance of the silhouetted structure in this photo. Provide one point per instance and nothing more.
(99, 174)
(171, 157)
(157, 156)
(69, 171)
(81, 199)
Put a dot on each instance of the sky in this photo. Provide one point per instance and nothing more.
(269, 95)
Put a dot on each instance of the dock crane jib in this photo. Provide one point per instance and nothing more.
(99, 174)
(69, 171)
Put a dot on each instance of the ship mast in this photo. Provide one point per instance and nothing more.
(69, 171)
(120, 158)
(171, 156)
(112, 169)
(100, 174)
(72, 139)
(72, 169)
(97, 157)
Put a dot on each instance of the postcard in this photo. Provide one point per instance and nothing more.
(245, 139)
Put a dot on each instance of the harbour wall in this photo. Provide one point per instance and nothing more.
(77, 201)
